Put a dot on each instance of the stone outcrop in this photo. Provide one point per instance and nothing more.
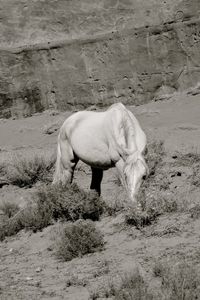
(77, 53)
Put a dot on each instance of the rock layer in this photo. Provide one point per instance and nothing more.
(66, 54)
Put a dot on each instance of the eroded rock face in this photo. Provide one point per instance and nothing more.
(63, 54)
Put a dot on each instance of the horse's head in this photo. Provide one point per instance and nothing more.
(135, 170)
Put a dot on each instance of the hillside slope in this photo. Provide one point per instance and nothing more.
(63, 54)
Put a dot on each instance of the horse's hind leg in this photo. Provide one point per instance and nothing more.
(74, 163)
(97, 176)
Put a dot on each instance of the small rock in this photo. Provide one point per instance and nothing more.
(11, 250)
(29, 278)
(37, 284)
(38, 270)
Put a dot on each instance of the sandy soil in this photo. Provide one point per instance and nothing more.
(28, 267)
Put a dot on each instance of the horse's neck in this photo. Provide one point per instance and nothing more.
(133, 157)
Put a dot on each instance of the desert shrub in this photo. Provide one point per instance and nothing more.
(53, 202)
(9, 225)
(195, 212)
(79, 238)
(133, 286)
(70, 202)
(128, 287)
(25, 172)
(2, 169)
(152, 206)
(31, 217)
(9, 208)
(9, 228)
(174, 282)
(118, 204)
(178, 281)
(36, 217)
(140, 219)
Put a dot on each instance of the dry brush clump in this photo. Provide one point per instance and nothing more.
(25, 172)
(32, 217)
(151, 208)
(2, 169)
(70, 202)
(129, 286)
(50, 203)
(178, 281)
(77, 239)
(9, 209)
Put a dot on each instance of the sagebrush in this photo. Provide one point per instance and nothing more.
(129, 286)
(25, 172)
(178, 281)
(53, 202)
(77, 239)
(70, 202)
(175, 281)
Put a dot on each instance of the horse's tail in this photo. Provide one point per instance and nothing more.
(59, 166)
(63, 170)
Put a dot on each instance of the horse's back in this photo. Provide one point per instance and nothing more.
(86, 134)
(98, 136)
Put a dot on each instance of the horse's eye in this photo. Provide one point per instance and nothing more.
(144, 177)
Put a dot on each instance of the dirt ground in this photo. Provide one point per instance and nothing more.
(28, 267)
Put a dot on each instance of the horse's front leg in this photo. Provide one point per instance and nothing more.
(73, 166)
(97, 176)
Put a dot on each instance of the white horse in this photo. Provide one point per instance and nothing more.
(102, 140)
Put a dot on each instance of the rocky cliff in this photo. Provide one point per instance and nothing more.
(67, 53)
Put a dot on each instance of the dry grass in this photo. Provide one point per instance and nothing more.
(78, 239)
(25, 172)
